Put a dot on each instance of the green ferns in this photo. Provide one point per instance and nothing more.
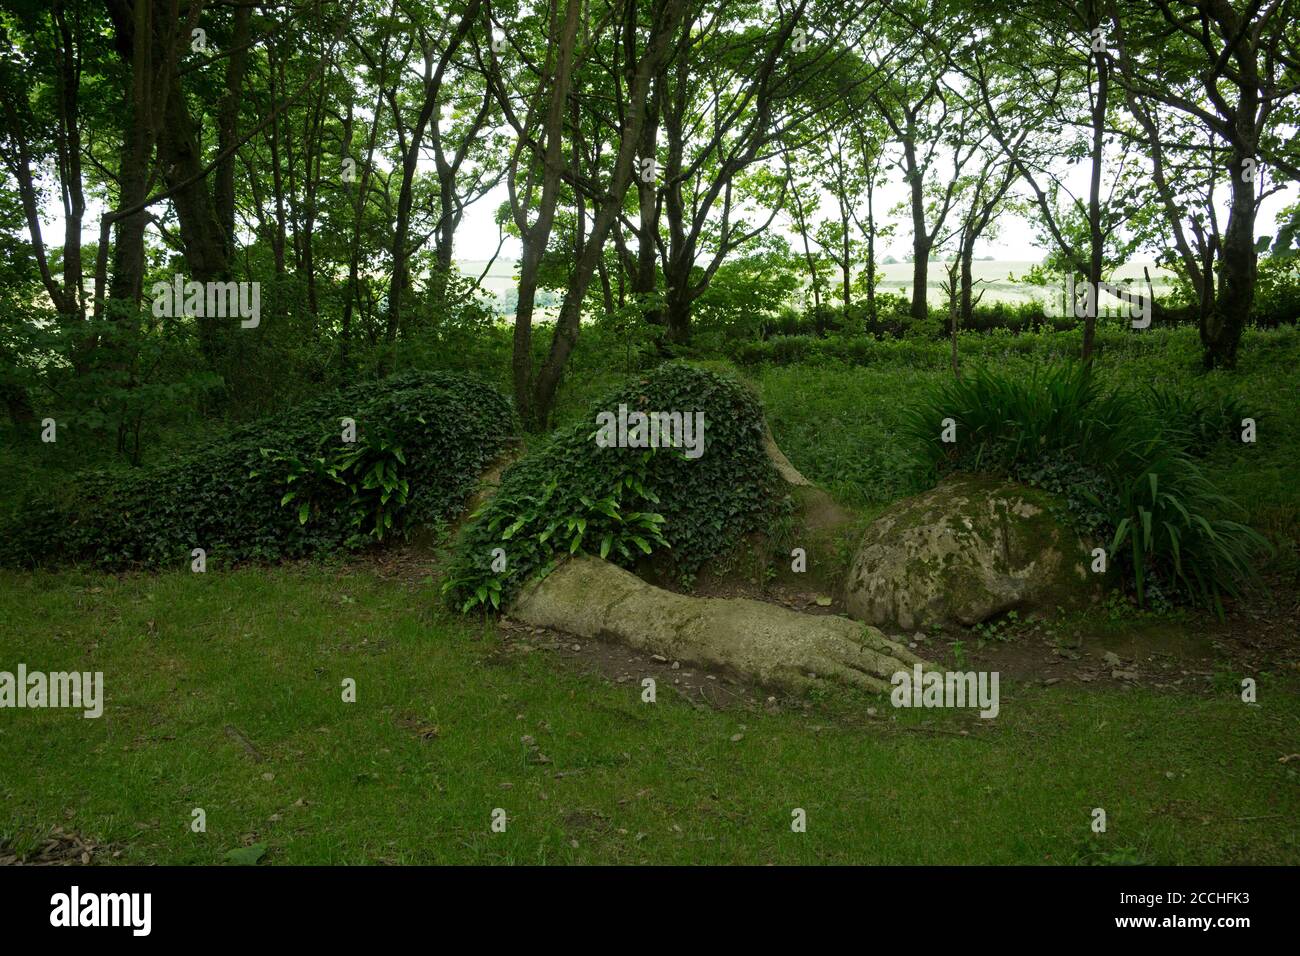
(284, 487)
(370, 470)
(624, 504)
(1126, 464)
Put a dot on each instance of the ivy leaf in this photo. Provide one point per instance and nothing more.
(246, 855)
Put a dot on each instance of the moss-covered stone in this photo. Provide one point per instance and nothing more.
(966, 551)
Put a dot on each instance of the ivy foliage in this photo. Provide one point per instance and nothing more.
(624, 504)
(284, 487)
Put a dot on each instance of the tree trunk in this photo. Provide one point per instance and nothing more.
(69, 143)
(401, 230)
(846, 261)
(228, 125)
(681, 251)
(180, 156)
(958, 298)
(920, 276)
(128, 241)
(444, 233)
(966, 308)
(279, 236)
(679, 316)
(643, 280)
(533, 238)
(134, 41)
(1222, 325)
(351, 291)
(521, 362)
(922, 242)
(871, 247)
(429, 112)
(202, 234)
(1096, 239)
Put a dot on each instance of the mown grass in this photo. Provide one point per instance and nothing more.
(1183, 779)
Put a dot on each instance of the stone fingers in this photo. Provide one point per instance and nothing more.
(848, 672)
(876, 641)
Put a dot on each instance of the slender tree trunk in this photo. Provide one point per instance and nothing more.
(921, 246)
(533, 238)
(401, 231)
(801, 223)
(1096, 238)
(967, 307)
(606, 289)
(311, 187)
(202, 234)
(569, 321)
(921, 240)
(846, 261)
(429, 112)
(133, 168)
(871, 247)
(955, 294)
(70, 179)
(681, 251)
(445, 233)
(228, 125)
(644, 279)
(279, 237)
(128, 240)
(1222, 325)
(521, 362)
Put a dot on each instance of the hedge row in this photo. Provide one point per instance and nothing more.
(929, 353)
(892, 319)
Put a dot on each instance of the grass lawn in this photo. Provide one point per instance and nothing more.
(223, 692)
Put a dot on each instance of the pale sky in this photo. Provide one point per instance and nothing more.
(1016, 239)
(477, 237)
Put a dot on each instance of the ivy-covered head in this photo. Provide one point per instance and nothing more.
(672, 464)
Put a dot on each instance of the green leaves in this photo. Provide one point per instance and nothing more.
(285, 487)
(532, 530)
(625, 504)
(246, 855)
(1124, 462)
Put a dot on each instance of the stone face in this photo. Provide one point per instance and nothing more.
(966, 551)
